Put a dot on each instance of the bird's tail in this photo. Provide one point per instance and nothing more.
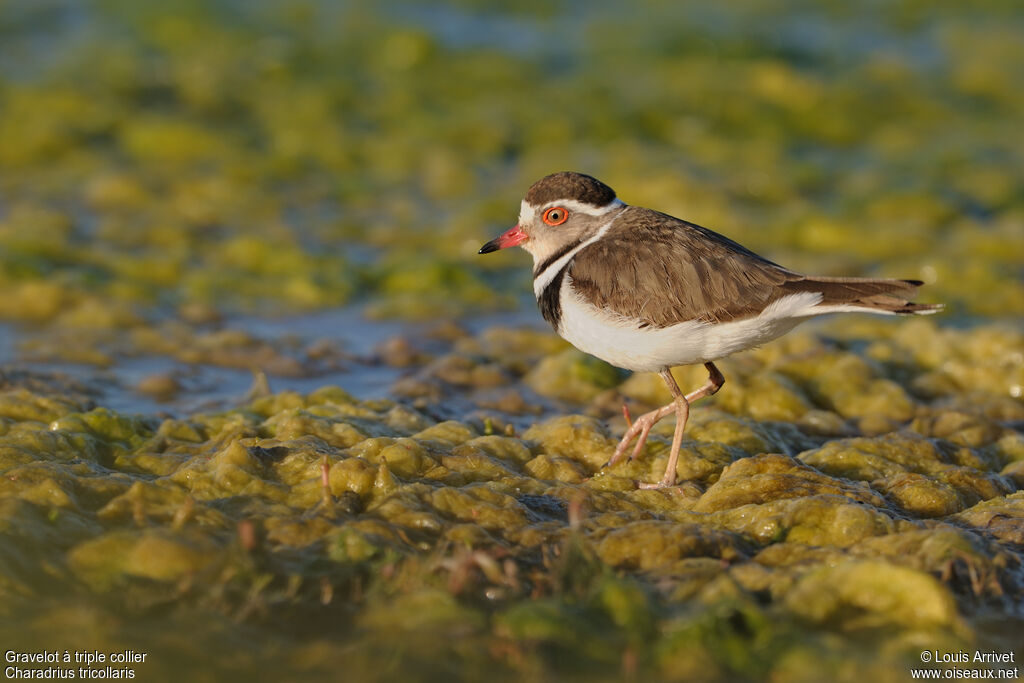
(865, 294)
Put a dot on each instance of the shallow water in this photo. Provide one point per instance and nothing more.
(211, 387)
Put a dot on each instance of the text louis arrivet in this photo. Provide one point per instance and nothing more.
(976, 657)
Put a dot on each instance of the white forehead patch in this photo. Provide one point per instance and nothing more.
(528, 212)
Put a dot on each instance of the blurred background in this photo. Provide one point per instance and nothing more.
(176, 177)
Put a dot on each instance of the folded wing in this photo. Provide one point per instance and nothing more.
(661, 271)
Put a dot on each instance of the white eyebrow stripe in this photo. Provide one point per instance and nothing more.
(589, 209)
(527, 211)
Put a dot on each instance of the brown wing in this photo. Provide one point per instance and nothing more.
(662, 271)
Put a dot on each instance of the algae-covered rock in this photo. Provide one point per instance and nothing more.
(827, 520)
(653, 545)
(466, 371)
(449, 433)
(40, 484)
(572, 376)
(111, 558)
(921, 495)
(363, 486)
(771, 477)
(106, 425)
(511, 451)
(352, 474)
(744, 435)
(549, 467)
(21, 404)
(297, 533)
(404, 457)
(492, 511)
(511, 343)
(408, 510)
(766, 395)
(960, 428)
(944, 551)
(851, 386)
(333, 432)
(477, 465)
(891, 458)
(351, 544)
(572, 436)
(881, 593)
(867, 459)
(158, 502)
(1003, 517)
(232, 471)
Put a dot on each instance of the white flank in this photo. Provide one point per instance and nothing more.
(623, 343)
(544, 278)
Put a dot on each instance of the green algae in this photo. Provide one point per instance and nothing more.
(873, 591)
(653, 545)
(786, 548)
(521, 547)
(105, 561)
(572, 376)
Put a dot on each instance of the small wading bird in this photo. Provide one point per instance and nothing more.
(647, 292)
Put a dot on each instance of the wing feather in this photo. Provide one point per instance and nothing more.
(660, 271)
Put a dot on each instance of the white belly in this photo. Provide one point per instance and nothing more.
(623, 343)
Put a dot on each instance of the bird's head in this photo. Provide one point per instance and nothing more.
(559, 211)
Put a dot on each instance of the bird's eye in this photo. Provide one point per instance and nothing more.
(556, 215)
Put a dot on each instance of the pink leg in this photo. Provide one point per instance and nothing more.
(640, 429)
(682, 408)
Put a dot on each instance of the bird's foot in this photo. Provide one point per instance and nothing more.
(639, 430)
(667, 482)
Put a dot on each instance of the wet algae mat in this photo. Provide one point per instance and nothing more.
(831, 522)
(418, 493)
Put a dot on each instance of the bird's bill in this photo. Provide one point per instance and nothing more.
(510, 238)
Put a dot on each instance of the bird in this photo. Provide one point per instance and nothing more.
(647, 292)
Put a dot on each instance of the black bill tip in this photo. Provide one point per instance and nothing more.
(489, 247)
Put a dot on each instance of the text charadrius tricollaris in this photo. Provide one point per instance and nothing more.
(646, 292)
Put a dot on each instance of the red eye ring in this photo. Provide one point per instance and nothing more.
(556, 215)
